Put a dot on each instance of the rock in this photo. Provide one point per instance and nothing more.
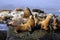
(11, 35)
(37, 10)
(36, 35)
(3, 35)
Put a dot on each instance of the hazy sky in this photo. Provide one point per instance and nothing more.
(30, 3)
(11, 4)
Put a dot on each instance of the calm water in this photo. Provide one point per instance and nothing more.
(53, 11)
(3, 27)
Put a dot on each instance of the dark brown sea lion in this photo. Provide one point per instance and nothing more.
(37, 10)
(55, 23)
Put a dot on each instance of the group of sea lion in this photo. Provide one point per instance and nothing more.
(29, 20)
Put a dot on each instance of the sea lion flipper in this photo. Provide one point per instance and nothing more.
(29, 28)
(15, 31)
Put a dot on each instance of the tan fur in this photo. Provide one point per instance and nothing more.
(27, 13)
(27, 26)
(2, 18)
(45, 23)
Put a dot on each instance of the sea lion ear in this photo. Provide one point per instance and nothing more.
(29, 28)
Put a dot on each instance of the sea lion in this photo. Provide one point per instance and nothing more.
(4, 15)
(27, 26)
(42, 16)
(27, 12)
(36, 18)
(2, 19)
(44, 24)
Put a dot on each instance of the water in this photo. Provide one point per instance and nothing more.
(53, 11)
(3, 27)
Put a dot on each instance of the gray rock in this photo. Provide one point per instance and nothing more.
(36, 35)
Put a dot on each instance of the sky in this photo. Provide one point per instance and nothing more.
(11, 4)
(45, 4)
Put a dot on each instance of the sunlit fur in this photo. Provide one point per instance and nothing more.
(4, 14)
(2, 18)
(27, 12)
(45, 23)
(27, 26)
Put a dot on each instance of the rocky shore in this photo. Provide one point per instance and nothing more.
(36, 35)
(3, 35)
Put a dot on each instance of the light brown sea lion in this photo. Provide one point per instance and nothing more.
(2, 18)
(27, 26)
(27, 12)
(45, 23)
(4, 15)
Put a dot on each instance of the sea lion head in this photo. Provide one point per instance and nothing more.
(27, 12)
(50, 15)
